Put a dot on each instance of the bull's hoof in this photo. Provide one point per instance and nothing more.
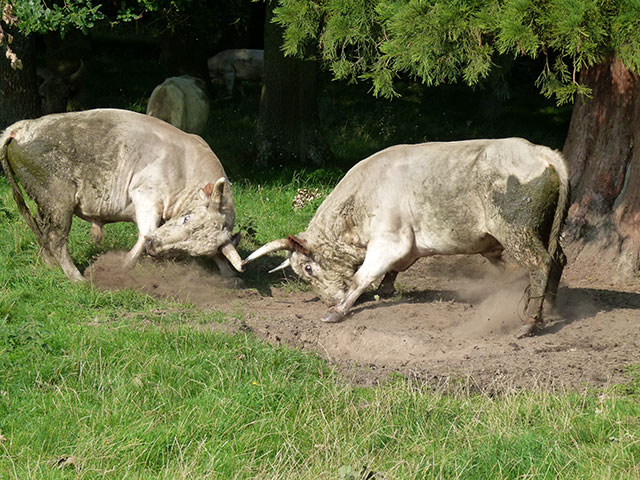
(529, 329)
(333, 316)
(386, 290)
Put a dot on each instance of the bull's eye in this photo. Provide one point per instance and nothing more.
(186, 219)
(308, 269)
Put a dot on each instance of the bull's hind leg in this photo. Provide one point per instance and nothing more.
(557, 265)
(529, 251)
(387, 285)
(42, 221)
(56, 227)
(97, 233)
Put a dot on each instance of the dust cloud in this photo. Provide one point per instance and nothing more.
(195, 281)
(498, 300)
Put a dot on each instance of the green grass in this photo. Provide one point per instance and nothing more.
(97, 384)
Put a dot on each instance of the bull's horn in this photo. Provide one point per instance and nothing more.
(230, 252)
(282, 266)
(75, 76)
(272, 246)
(218, 193)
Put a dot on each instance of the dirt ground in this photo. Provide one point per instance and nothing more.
(454, 318)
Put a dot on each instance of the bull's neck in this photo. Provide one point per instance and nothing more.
(182, 203)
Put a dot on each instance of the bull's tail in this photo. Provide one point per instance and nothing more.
(558, 258)
(5, 139)
(562, 207)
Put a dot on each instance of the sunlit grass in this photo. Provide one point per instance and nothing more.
(118, 384)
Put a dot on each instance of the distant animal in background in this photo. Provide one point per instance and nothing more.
(242, 64)
(57, 88)
(181, 101)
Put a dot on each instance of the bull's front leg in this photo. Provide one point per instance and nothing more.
(147, 221)
(131, 258)
(380, 258)
(229, 80)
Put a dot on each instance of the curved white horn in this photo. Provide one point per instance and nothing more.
(272, 246)
(230, 252)
(282, 266)
(75, 76)
(218, 193)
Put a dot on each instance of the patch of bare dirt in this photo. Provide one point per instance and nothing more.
(454, 317)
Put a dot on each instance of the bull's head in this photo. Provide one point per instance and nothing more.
(309, 264)
(56, 89)
(203, 230)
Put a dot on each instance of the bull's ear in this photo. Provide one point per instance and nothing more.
(298, 244)
(213, 195)
(206, 191)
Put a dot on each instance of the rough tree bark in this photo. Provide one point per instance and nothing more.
(18, 88)
(603, 154)
(288, 125)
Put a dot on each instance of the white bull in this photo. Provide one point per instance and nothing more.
(229, 66)
(181, 101)
(412, 201)
(109, 165)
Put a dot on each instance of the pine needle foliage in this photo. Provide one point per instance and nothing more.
(445, 41)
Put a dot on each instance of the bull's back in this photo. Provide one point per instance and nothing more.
(434, 186)
(182, 102)
(99, 152)
(245, 63)
(165, 102)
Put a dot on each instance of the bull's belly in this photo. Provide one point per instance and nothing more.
(94, 210)
(455, 243)
(104, 218)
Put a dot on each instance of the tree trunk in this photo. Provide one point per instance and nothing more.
(603, 154)
(18, 88)
(288, 126)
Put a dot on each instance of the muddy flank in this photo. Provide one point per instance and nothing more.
(454, 318)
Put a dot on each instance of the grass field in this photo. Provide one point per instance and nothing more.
(117, 384)
(97, 384)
